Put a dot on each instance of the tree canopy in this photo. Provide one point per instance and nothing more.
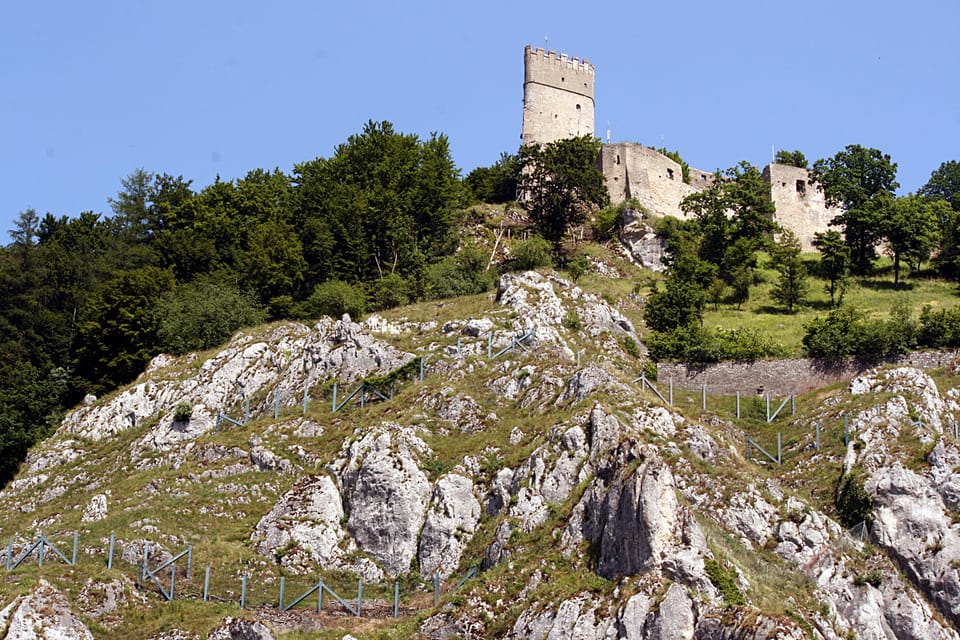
(861, 180)
(561, 183)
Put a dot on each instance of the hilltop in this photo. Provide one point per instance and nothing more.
(512, 435)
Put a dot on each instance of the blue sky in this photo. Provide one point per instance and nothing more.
(94, 90)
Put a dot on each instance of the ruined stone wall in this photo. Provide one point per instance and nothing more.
(656, 182)
(801, 206)
(649, 177)
(558, 98)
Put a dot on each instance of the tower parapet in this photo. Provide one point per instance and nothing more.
(558, 100)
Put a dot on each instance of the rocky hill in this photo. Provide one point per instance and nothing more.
(507, 433)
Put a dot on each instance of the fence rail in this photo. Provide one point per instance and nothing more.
(147, 575)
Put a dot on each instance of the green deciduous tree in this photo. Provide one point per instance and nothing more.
(792, 158)
(561, 183)
(203, 314)
(497, 183)
(944, 184)
(912, 230)
(861, 181)
(834, 263)
(791, 287)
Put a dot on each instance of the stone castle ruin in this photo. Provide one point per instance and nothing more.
(558, 103)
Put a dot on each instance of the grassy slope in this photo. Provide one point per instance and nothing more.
(223, 542)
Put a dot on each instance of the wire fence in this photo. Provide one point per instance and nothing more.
(172, 577)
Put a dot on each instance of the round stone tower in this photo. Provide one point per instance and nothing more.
(557, 96)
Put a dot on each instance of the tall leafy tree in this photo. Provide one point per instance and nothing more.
(792, 158)
(834, 263)
(561, 183)
(861, 180)
(944, 184)
(913, 230)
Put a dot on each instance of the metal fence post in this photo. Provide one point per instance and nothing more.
(779, 455)
(334, 396)
(489, 346)
(396, 599)
(818, 435)
(671, 391)
(767, 395)
(704, 397)
(206, 584)
(189, 560)
(9, 554)
(110, 553)
(243, 592)
(43, 543)
(746, 440)
(76, 538)
(738, 405)
(793, 403)
(282, 579)
(246, 411)
(173, 579)
(421, 368)
(846, 431)
(320, 595)
(359, 595)
(306, 398)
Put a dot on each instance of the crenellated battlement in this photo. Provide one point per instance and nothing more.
(561, 59)
(557, 96)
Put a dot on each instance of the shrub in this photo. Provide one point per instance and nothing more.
(939, 328)
(532, 253)
(725, 581)
(854, 504)
(204, 314)
(630, 346)
(608, 223)
(696, 344)
(572, 321)
(182, 412)
(334, 298)
(390, 291)
(462, 274)
(577, 267)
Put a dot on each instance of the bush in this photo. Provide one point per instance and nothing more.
(725, 581)
(608, 223)
(182, 412)
(532, 253)
(578, 266)
(572, 321)
(854, 504)
(390, 291)
(334, 298)
(462, 274)
(939, 328)
(204, 314)
(846, 332)
(696, 344)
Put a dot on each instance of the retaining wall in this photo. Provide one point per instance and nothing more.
(782, 377)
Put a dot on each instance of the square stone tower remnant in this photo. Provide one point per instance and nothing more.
(557, 96)
(558, 103)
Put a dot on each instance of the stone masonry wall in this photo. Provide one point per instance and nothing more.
(646, 175)
(558, 98)
(801, 206)
(782, 377)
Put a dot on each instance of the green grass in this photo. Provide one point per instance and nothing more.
(875, 294)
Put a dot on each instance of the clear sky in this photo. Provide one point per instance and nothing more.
(93, 90)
